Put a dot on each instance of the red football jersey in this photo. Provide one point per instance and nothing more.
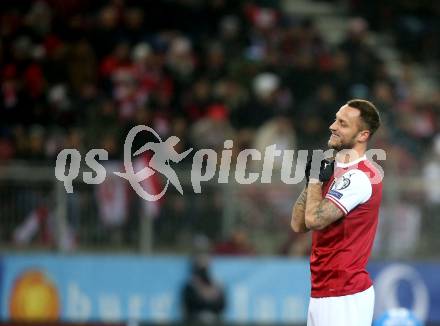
(340, 252)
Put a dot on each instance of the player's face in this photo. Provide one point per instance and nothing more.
(345, 129)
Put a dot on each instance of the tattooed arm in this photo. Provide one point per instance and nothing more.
(320, 212)
(298, 212)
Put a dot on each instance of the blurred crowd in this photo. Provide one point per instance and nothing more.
(414, 25)
(80, 74)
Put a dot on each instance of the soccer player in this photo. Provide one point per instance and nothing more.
(340, 204)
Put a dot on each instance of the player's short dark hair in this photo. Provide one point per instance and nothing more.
(368, 113)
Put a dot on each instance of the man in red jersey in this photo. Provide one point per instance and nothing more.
(340, 203)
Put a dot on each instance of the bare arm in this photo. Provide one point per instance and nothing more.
(320, 212)
(298, 213)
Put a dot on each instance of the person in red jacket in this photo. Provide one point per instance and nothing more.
(341, 204)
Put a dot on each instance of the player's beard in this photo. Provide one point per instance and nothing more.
(342, 144)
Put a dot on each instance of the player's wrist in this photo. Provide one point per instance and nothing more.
(315, 181)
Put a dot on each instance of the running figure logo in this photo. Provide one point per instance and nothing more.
(163, 152)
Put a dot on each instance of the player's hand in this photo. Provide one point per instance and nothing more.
(321, 169)
(326, 170)
(307, 170)
(314, 167)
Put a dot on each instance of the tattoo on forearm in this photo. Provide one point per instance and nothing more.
(320, 210)
(301, 201)
(298, 212)
(327, 210)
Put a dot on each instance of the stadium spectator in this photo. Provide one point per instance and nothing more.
(236, 244)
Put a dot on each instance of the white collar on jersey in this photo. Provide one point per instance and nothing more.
(346, 165)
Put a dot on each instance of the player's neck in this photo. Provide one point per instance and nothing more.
(349, 155)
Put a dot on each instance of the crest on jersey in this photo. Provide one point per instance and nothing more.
(342, 183)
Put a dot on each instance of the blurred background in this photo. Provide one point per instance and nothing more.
(80, 74)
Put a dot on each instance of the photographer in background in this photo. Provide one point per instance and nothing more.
(203, 299)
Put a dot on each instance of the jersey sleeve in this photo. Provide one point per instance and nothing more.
(349, 190)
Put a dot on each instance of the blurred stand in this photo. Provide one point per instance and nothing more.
(238, 219)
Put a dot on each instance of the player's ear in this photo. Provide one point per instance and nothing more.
(363, 136)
